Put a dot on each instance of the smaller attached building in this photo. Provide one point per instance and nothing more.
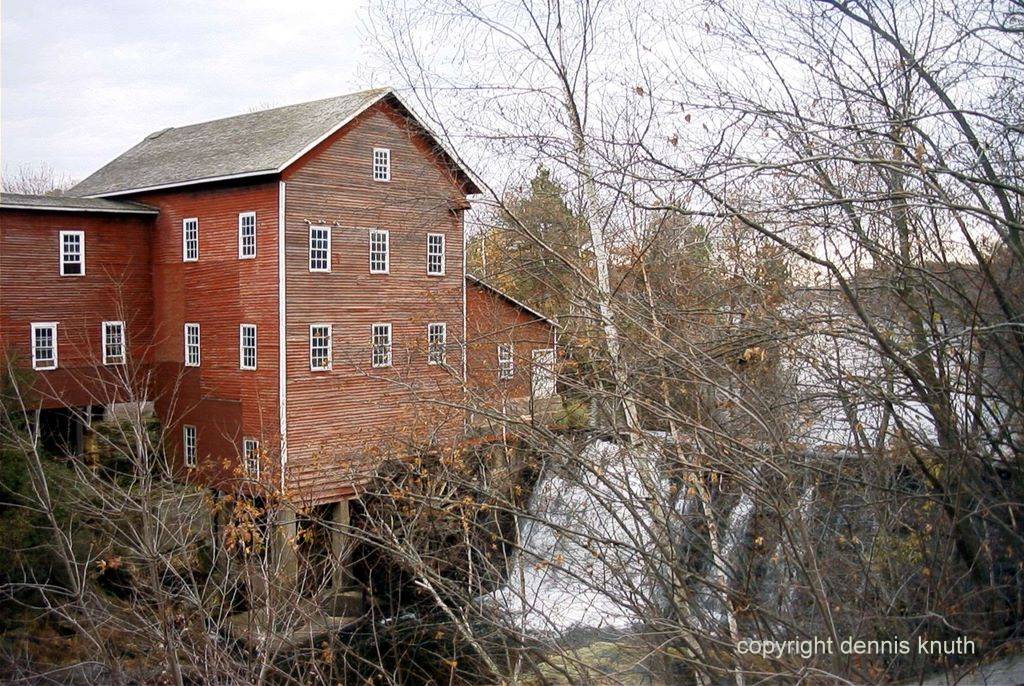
(76, 303)
(510, 356)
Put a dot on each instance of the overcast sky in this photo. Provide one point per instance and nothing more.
(84, 80)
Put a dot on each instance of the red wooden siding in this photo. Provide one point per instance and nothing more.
(220, 292)
(492, 320)
(338, 421)
(116, 286)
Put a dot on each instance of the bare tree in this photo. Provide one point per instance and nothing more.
(830, 401)
(39, 180)
(789, 279)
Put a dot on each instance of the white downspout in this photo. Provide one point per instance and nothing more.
(282, 348)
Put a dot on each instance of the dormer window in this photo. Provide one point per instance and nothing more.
(72, 253)
(381, 164)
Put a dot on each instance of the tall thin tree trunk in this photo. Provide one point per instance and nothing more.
(718, 562)
(602, 260)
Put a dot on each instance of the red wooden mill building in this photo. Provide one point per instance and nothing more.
(286, 289)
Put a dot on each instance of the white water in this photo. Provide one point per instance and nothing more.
(591, 539)
(559, 582)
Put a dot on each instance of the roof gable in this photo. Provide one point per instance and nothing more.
(253, 144)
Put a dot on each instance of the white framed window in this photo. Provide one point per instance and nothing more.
(246, 235)
(437, 339)
(188, 445)
(381, 164)
(44, 345)
(251, 457)
(247, 346)
(319, 248)
(506, 361)
(321, 355)
(435, 254)
(189, 239)
(380, 337)
(192, 356)
(72, 253)
(380, 260)
(112, 339)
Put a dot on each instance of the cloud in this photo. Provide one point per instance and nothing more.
(84, 81)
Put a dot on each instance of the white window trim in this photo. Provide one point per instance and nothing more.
(60, 250)
(199, 344)
(373, 345)
(309, 256)
(443, 265)
(246, 442)
(387, 169)
(184, 240)
(189, 458)
(330, 347)
(124, 342)
(32, 344)
(503, 374)
(241, 346)
(387, 251)
(241, 217)
(444, 343)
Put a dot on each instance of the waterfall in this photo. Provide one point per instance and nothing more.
(598, 573)
(559, 581)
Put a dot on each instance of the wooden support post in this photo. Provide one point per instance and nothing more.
(285, 560)
(340, 545)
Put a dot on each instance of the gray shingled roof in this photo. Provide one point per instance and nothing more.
(65, 203)
(245, 145)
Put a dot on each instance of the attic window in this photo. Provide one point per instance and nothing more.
(381, 164)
